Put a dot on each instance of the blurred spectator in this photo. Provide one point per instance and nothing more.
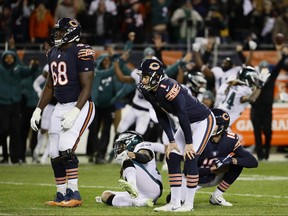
(65, 8)
(28, 105)
(6, 22)
(110, 6)
(281, 26)
(240, 12)
(41, 23)
(214, 22)
(134, 16)
(263, 22)
(160, 18)
(103, 25)
(186, 23)
(12, 72)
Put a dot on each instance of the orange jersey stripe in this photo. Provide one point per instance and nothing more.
(207, 135)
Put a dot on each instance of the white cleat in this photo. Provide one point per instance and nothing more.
(184, 208)
(219, 200)
(128, 187)
(169, 207)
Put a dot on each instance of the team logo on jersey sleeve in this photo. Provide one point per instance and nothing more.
(173, 92)
(86, 54)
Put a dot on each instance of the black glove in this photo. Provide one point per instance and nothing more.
(223, 161)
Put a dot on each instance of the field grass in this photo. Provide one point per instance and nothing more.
(24, 189)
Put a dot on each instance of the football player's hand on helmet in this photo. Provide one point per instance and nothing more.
(35, 119)
(263, 77)
(223, 162)
(69, 118)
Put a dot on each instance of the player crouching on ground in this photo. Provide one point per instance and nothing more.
(140, 178)
(222, 160)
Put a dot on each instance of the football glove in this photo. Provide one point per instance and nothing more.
(223, 162)
(35, 119)
(263, 77)
(252, 45)
(69, 118)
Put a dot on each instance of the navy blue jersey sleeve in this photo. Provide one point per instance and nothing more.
(86, 58)
(245, 158)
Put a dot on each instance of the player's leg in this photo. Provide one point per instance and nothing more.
(127, 120)
(201, 134)
(142, 121)
(67, 145)
(227, 180)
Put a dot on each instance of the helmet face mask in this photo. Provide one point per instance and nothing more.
(66, 30)
(126, 141)
(151, 72)
(222, 121)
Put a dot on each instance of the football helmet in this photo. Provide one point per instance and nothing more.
(196, 82)
(222, 120)
(248, 76)
(154, 69)
(66, 30)
(126, 141)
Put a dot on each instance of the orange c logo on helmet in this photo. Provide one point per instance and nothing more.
(225, 116)
(154, 66)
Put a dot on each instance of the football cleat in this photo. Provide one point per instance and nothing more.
(58, 199)
(184, 208)
(71, 199)
(128, 187)
(169, 207)
(219, 200)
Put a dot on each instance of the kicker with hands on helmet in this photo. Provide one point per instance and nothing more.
(196, 125)
(221, 162)
(140, 179)
(71, 71)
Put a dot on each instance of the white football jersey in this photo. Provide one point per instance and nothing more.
(138, 98)
(151, 166)
(231, 103)
(222, 77)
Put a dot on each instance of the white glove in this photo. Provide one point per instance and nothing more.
(196, 47)
(69, 118)
(35, 119)
(263, 76)
(121, 157)
(252, 45)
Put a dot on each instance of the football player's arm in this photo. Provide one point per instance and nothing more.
(244, 158)
(252, 97)
(142, 156)
(203, 67)
(86, 81)
(164, 122)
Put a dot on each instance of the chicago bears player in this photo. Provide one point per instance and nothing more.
(222, 161)
(70, 77)
(196, 125)
(140, 177)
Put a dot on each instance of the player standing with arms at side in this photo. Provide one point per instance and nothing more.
(196, 125)
(70, 79)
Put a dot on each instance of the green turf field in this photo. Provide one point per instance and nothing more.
(24, 189)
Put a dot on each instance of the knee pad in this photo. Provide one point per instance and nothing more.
(69, 156)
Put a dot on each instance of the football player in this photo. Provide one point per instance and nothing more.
(196, 125)
(71, 71)
(239, 92)
(222, 161)
(140, 178)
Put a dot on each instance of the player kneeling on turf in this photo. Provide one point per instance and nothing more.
(139, 175)
(222, 160)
